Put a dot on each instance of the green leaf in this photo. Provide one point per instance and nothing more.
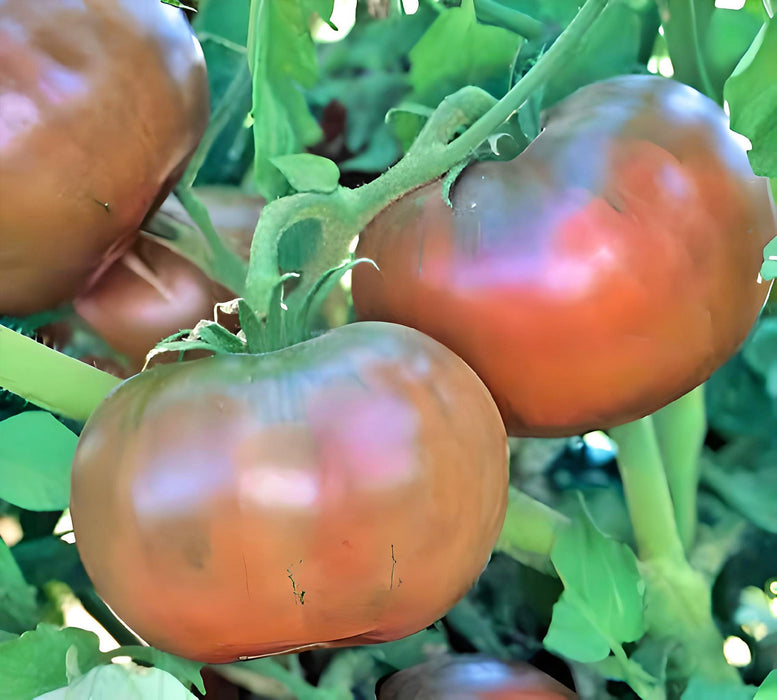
(573, 634)
(751, 92)
(482, 56)
(251, 326)
(769, 269)
(218, 336)
(602, 604)
(185, 670)
(36, 452)
(282, 58)
(35, 663)
(45, 559)
(768, 689)
(122, 682)
(18, 611)
(760, 351)
(701, 689)
(308, 173)
(749, 491)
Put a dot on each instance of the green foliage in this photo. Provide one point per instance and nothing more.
(700, 689)
(36, 451)
(18, 610)
(122, 682)
(43, 660)
(186, 671)
(752, 96)
(768, 689)
(601, 606)
(482, 55)
(306, 172)
(282, 58)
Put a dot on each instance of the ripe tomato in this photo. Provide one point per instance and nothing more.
(102, 106)
(607, 270)
(133, 313)
(342, 491)
(472, 677)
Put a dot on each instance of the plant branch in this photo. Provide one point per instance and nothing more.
(647, 491)
(49, 379)
(680, 429)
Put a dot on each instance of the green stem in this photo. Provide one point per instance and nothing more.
(560, 53)
(494, 12)
(647, 491)
(344, 213)
(529, 531)
(225, 266)
(700, 62)
(49, 379)
(680, 428)
(95, 606)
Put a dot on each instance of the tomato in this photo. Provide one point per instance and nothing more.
(342, 491)
(132, 312)
(607, 270)
(102, 105)
(472, 677)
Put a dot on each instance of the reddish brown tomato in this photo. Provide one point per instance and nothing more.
(132, 312)
(101, 106)
(471, 677)
(346, 490)
(607, 270)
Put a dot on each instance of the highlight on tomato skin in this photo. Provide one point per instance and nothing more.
(99, 122)
(607, 270)
(346, 490)
(472, 677)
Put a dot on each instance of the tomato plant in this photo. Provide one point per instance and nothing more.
(99, 121)
(513, 179)
(633, 225)
(470, 677)
(352, 486)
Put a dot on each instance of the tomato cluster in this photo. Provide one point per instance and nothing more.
(349, 489)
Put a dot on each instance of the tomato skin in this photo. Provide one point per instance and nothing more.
(472, 677)
(99, 121)
(604, 272)
(346, 490)
(132, 315)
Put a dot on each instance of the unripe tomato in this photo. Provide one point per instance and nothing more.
(607, 270)
(472, 677)
(132, 312)
(102, 105)
(342, 491)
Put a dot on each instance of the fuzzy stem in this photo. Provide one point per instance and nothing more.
(494, 12)
(49, 379)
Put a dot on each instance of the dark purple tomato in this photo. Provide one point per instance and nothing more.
(342, 491)
(101, 105)
(472, 677)
(607, 270)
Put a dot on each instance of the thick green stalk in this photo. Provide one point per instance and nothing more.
(647, 491)
(529, 531)
(49, 379)
(680, 428)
